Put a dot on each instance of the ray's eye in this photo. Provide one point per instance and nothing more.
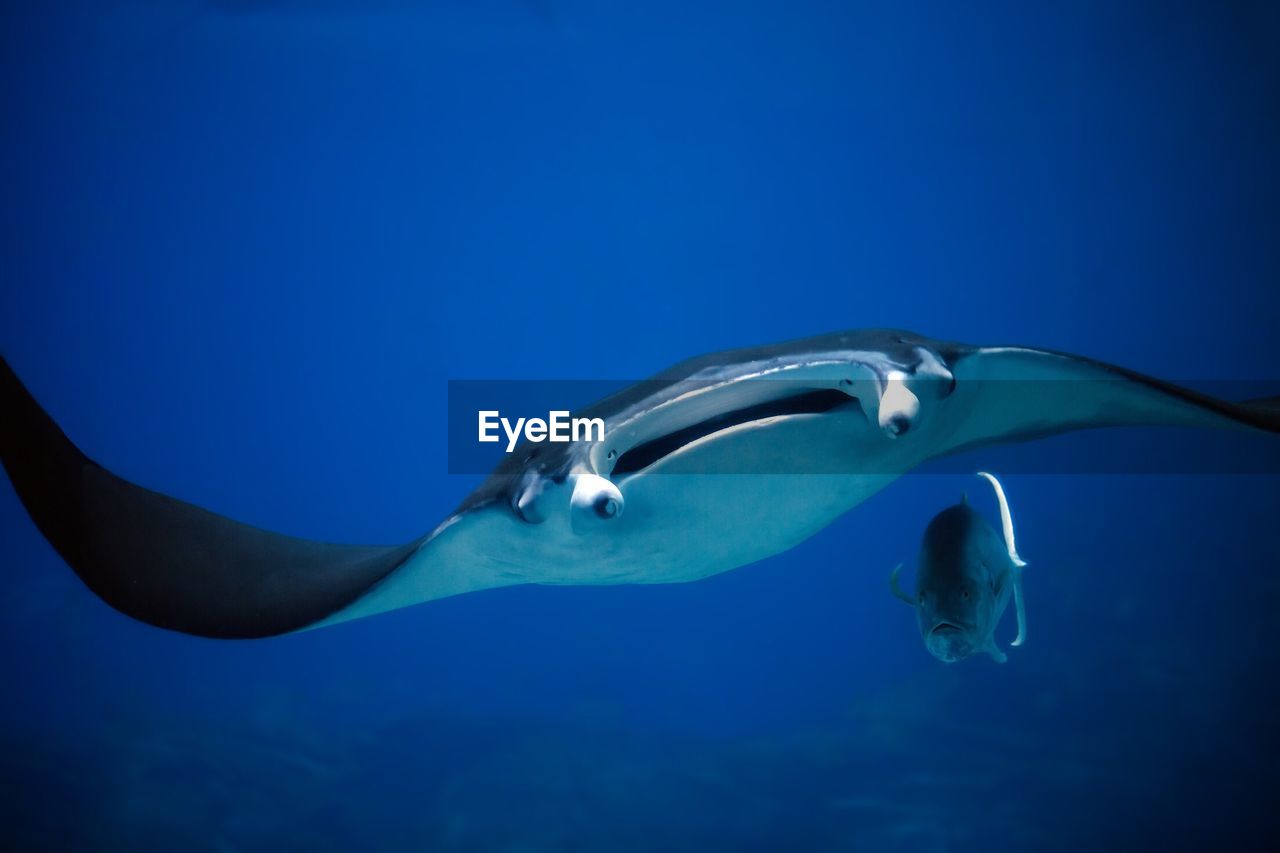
(605, 506)
(964, 593)
(594, 500)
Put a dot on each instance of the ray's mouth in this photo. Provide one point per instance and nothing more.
(946, 627)
(805, 403)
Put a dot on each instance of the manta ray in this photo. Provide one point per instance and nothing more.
(717, 462)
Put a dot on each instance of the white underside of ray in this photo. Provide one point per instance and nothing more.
(679, 525)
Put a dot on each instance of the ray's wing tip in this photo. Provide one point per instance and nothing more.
(166, 562)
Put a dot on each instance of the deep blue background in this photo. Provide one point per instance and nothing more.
(245, 245)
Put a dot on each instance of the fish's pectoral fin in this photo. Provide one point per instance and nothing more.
(896, 589)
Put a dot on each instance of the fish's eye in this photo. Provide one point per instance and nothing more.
(964, 593)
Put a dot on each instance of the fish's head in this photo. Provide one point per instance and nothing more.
(953, 619)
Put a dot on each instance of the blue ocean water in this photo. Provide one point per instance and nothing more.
(246, 245)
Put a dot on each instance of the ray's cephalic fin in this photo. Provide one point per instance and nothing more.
(167, 562)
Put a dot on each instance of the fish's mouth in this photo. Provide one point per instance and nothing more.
(949, 642)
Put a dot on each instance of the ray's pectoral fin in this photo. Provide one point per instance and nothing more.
(167, 562)
(1018, 393)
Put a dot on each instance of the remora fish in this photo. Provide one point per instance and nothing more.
(964, 580)
(717, 462)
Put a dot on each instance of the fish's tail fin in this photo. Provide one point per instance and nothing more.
(164, 561)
